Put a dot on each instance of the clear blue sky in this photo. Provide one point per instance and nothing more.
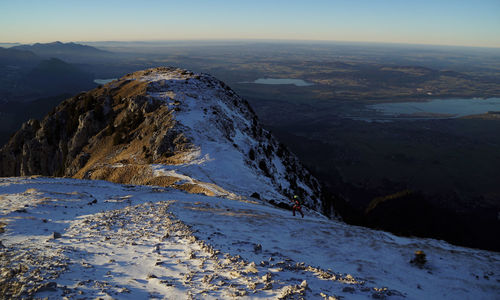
(442, 22)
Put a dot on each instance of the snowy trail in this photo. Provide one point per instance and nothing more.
(132, 242)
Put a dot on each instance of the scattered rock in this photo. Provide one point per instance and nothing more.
(419, 260)
(207, 278)
(252, 269)
(48, 287)
(166, 282)
(255, 195)
(378, 296)
(290, 291)
(304, 284)
(235, 274)
(267, 277)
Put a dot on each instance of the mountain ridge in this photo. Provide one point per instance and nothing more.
(165, 127)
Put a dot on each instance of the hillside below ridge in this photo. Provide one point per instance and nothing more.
(165, 127)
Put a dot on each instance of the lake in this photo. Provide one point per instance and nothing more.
(103, 81)
(437, 108)
(296, 82)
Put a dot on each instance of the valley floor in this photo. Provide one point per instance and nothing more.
(86, 239)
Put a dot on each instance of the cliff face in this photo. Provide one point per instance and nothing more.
(165, 127)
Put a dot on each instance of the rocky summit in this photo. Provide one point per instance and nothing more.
(165, 127)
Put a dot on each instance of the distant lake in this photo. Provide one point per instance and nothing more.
(104, 81)
(296, 82)
(452, 108)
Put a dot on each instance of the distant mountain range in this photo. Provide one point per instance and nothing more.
(36, 82)
(28, 72)
(9, 56)
(70, 52)
(25, 76)
(54, 76)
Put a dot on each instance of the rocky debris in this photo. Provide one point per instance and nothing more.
(304, 285)
(251, 268)
(291, 291)
(55, 235)
(28, 270)
(327, 297)
(420, 259)
(48, 287)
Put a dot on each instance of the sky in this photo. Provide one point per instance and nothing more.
(438, 22)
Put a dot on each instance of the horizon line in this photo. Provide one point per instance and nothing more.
(254, 40)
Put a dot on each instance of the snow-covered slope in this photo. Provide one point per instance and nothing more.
(137, 242)
(223, 130)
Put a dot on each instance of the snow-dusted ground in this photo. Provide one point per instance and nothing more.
(136, 242)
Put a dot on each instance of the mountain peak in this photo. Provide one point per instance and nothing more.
(163, 126)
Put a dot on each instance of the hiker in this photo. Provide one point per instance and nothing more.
(296, 206)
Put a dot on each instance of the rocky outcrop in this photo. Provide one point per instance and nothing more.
(97, 123)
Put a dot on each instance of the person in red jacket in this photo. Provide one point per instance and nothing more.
(296, 206)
